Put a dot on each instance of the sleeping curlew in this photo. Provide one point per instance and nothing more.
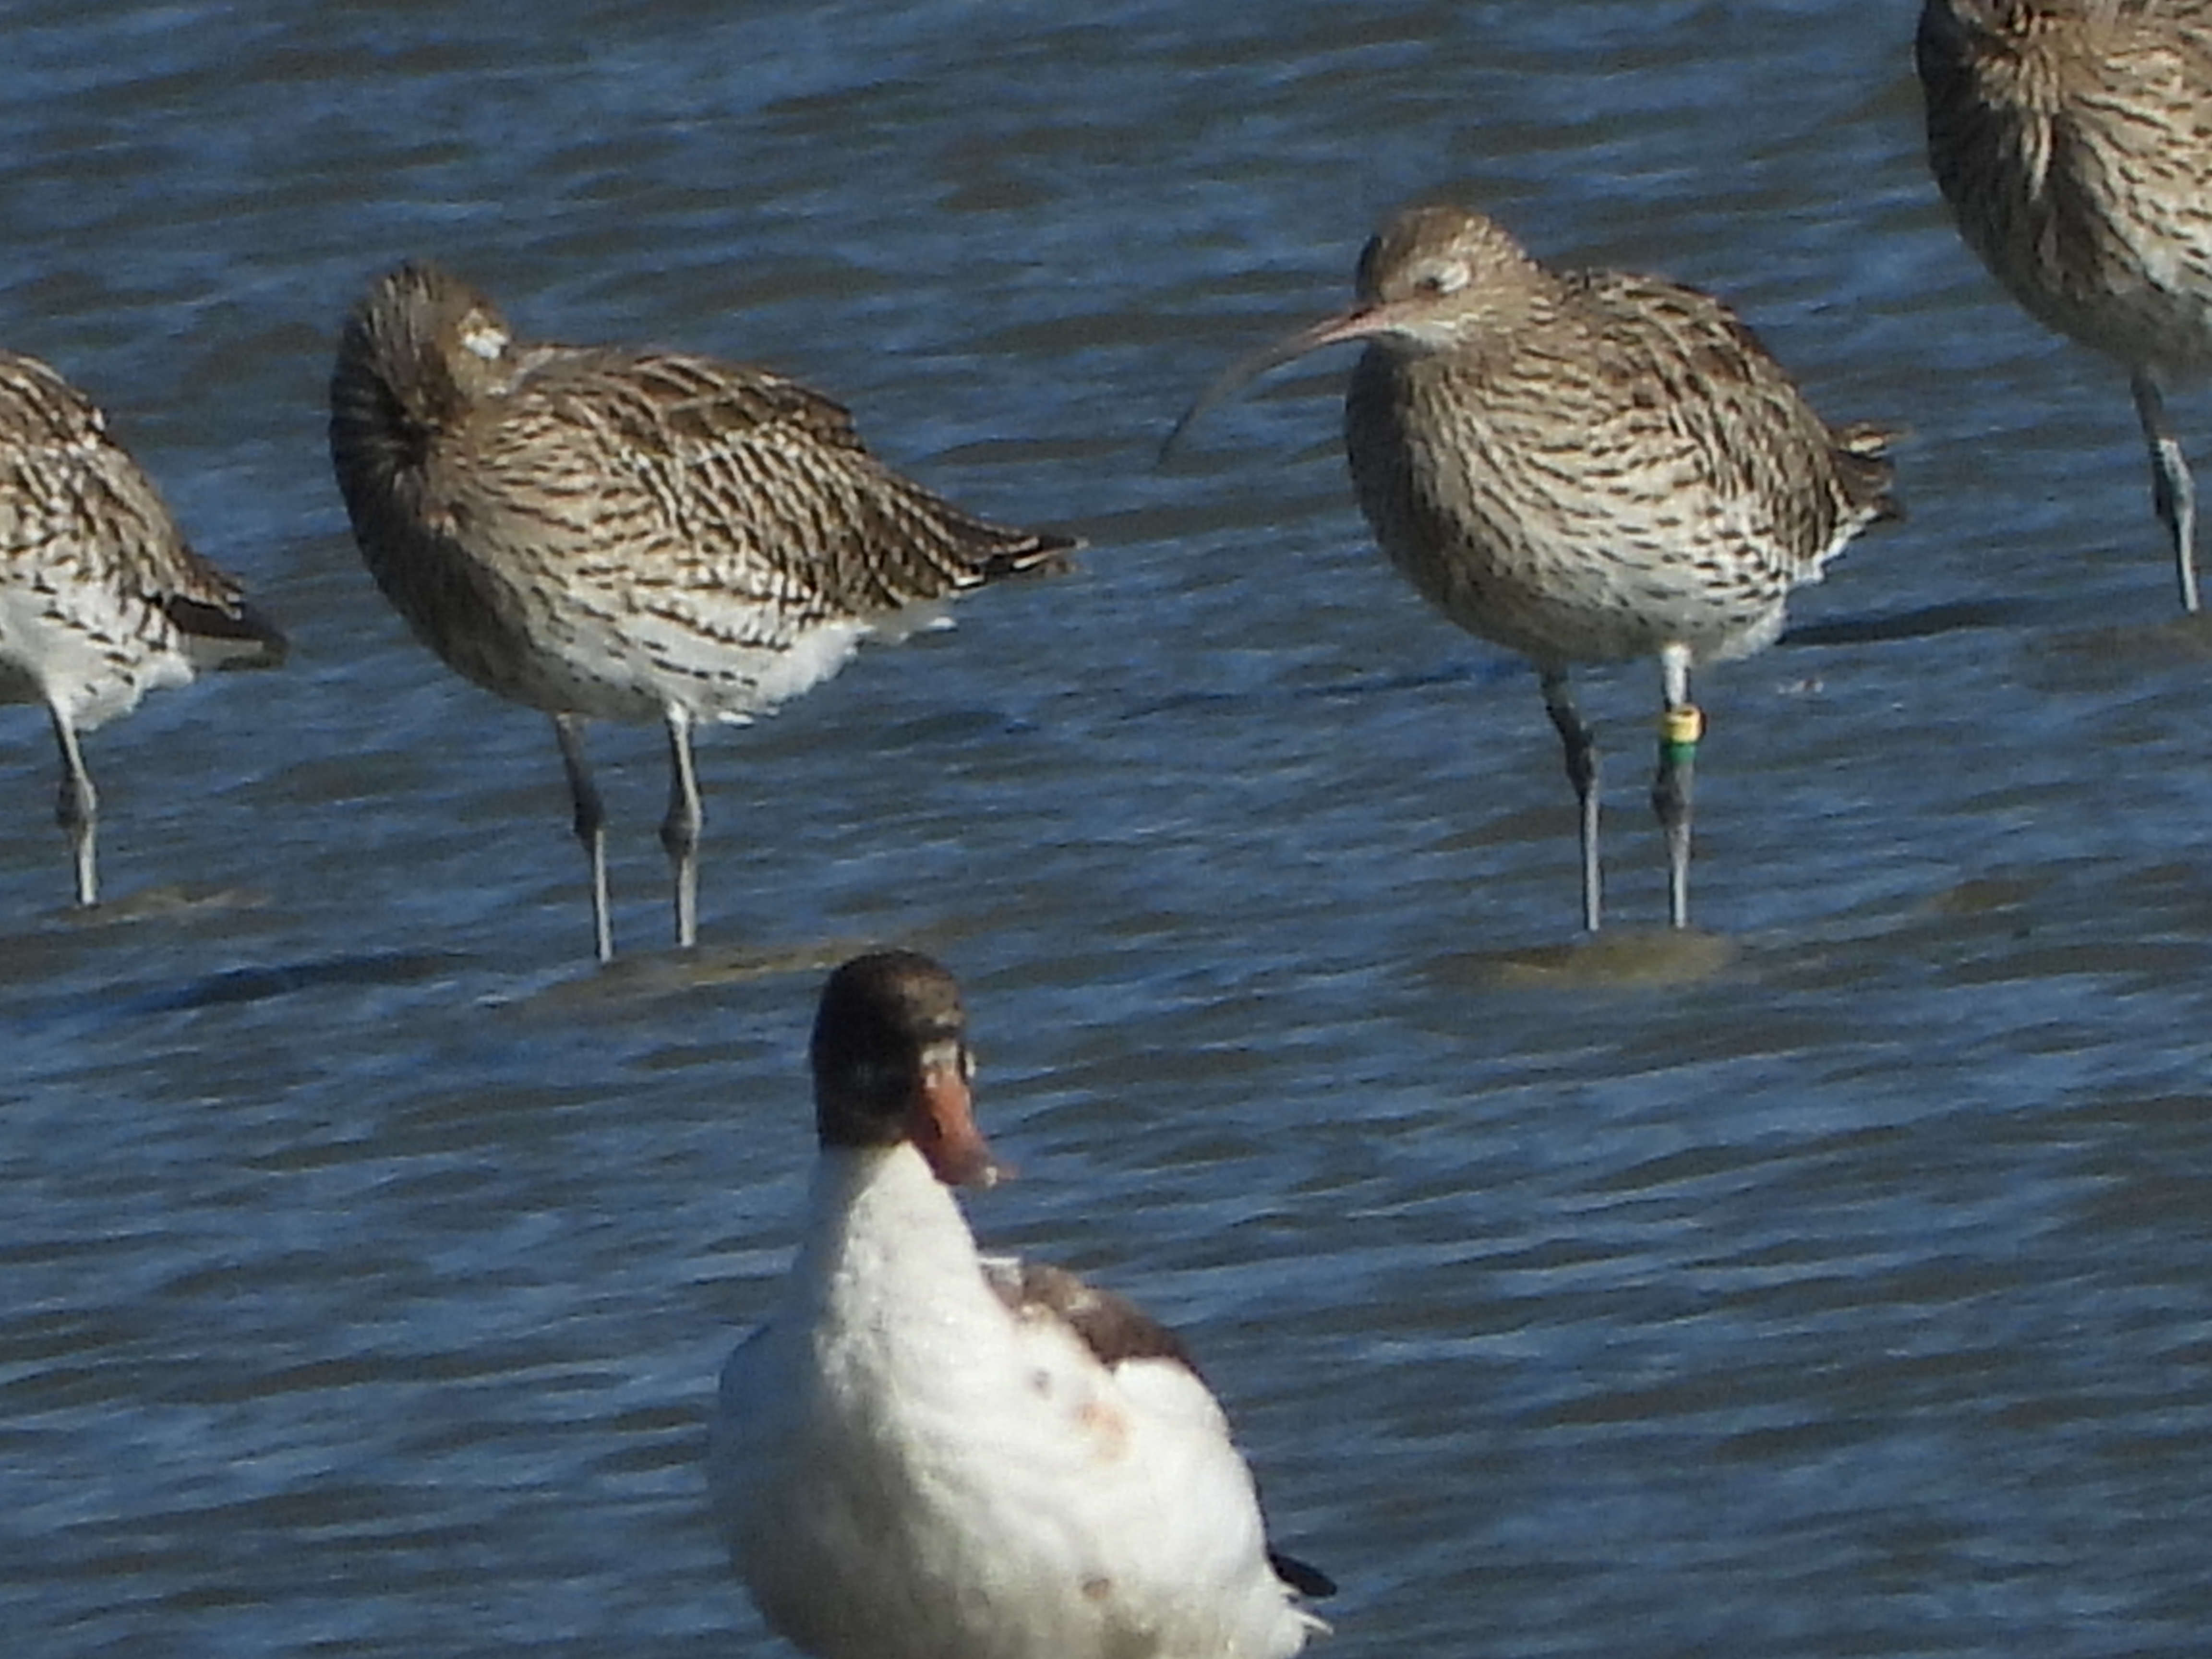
(596, 531)
(101, 598)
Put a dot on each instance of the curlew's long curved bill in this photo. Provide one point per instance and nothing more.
(1359, 323)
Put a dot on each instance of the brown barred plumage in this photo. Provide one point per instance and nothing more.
(597, 531)
(101, 599)
(2073, 140)
(1584, 467)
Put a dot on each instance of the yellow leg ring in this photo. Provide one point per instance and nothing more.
(1682, 726)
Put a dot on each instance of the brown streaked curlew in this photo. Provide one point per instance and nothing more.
(101, 598)
(2073, 140)
(597, 531)
(1583, 466)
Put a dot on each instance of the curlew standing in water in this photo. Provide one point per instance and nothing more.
(101, 601)
(636, 535)
(1583, 466)
(2073, 139)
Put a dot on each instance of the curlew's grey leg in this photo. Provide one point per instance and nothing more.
(590, 822)
(1679, 727)
(1582, 772)
(679, 830)
(77, 809)
(2171, 490)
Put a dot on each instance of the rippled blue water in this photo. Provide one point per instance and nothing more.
(1838, 1285)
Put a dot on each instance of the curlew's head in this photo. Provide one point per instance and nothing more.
(2026, 50)
(2021, 17)
(424, 346)
(1436, 278)
(891, 1064)
(1433, 278)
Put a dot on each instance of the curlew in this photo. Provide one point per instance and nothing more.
(2073, 140)
(101, 599)
(1583, 466)
(927, 1453)
(596, 531)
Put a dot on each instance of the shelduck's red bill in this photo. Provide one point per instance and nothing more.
(944, 1131)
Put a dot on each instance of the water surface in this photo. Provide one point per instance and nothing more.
(1839, 1284)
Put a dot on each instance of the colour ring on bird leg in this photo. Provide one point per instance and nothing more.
(1679, 728)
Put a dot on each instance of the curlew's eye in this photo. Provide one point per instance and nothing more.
(1435, 280)
(487, 340)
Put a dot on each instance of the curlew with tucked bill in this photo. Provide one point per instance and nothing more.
(2073, 140)
(1583, 466)
(101, 598)
(634, 535)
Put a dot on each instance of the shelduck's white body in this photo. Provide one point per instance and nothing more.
(912, 1460)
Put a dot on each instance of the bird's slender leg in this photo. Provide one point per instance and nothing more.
(1681, 725)
(2171, 490)
(679, 830)
(591, 823)
(77, 809)
(1582, 772)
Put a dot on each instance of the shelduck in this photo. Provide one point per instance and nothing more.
(929, 1454)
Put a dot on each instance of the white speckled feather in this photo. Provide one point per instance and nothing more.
(908, 1470)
